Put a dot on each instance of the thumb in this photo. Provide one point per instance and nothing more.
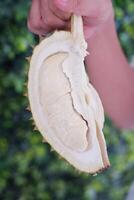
(80, 7)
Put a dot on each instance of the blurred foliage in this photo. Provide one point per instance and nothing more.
(28, 168)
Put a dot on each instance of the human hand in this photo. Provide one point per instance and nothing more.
(48, 15)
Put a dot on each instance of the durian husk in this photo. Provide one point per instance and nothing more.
(65, 106)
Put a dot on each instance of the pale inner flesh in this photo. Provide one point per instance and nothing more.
(56, 102)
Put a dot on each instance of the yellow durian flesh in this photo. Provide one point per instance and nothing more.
(65, 107)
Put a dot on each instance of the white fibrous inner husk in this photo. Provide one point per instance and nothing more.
(65, 106)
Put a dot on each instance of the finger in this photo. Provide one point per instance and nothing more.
(50, 20)
(35, 23)
(90, 8)
(80, 7)
(59, 13)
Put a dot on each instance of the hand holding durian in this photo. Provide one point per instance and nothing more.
(66, 108)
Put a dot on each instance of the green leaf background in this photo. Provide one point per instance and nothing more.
(29, 170)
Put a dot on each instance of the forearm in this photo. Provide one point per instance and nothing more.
(111, 75)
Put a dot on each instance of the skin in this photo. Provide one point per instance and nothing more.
(107, 66)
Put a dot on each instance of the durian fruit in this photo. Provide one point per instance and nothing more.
(66, 108)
